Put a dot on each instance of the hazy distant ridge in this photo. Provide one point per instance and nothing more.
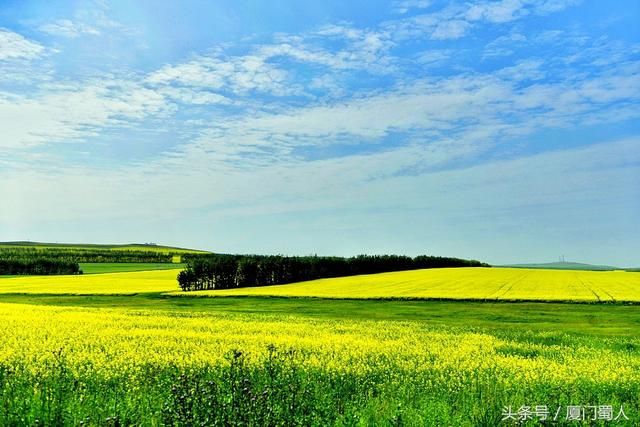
(564, 265)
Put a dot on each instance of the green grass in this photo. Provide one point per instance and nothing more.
(106, 267)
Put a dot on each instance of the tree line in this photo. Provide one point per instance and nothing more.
(85, 255)
(38, 266)
(221, 271)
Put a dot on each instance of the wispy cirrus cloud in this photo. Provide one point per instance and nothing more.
(267, 67)
(404, 6)
(14, 46)
(513, 97)
(68, 28)
(457, 19)
(504, 45)
(239, 75)
(72, 112)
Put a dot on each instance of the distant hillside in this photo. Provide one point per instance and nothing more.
(150, 247)
(565, 266)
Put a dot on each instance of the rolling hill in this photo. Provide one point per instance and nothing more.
(150, 247)
(564, 265)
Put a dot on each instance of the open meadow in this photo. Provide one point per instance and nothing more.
(128, 348)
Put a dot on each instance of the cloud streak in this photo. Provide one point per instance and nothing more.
(14, 46)
(69, 113)
(68, 28)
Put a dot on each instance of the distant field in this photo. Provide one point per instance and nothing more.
(507, 284)
(126, 247)
(510, 284)
(119, 267)
(93, 284)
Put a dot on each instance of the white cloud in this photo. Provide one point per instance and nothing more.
(73, 112)
(217, 78)
(497, 11)
(404, 6)
(434, 57)
(504, 45)
(453, 29)
(529, 69)
(237, 74)
(568, 100)
(329, 85)
(502, 11)
(361, 49)
(456, 19)
(551, 6)
(436, 122)
(192, 96)
(438, 105)
(204, 72)
(423, 105)
(68, 28)
(13, 46)
(262, 70)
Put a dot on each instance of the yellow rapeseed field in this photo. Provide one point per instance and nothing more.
(178, 364)
(98, 284)
(450, 283)
(115, 342)
(464, 283)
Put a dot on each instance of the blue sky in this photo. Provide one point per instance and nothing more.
(504, 131)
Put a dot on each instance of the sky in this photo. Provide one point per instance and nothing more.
(504, 130)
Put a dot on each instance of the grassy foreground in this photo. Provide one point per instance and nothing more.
(510, 284)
